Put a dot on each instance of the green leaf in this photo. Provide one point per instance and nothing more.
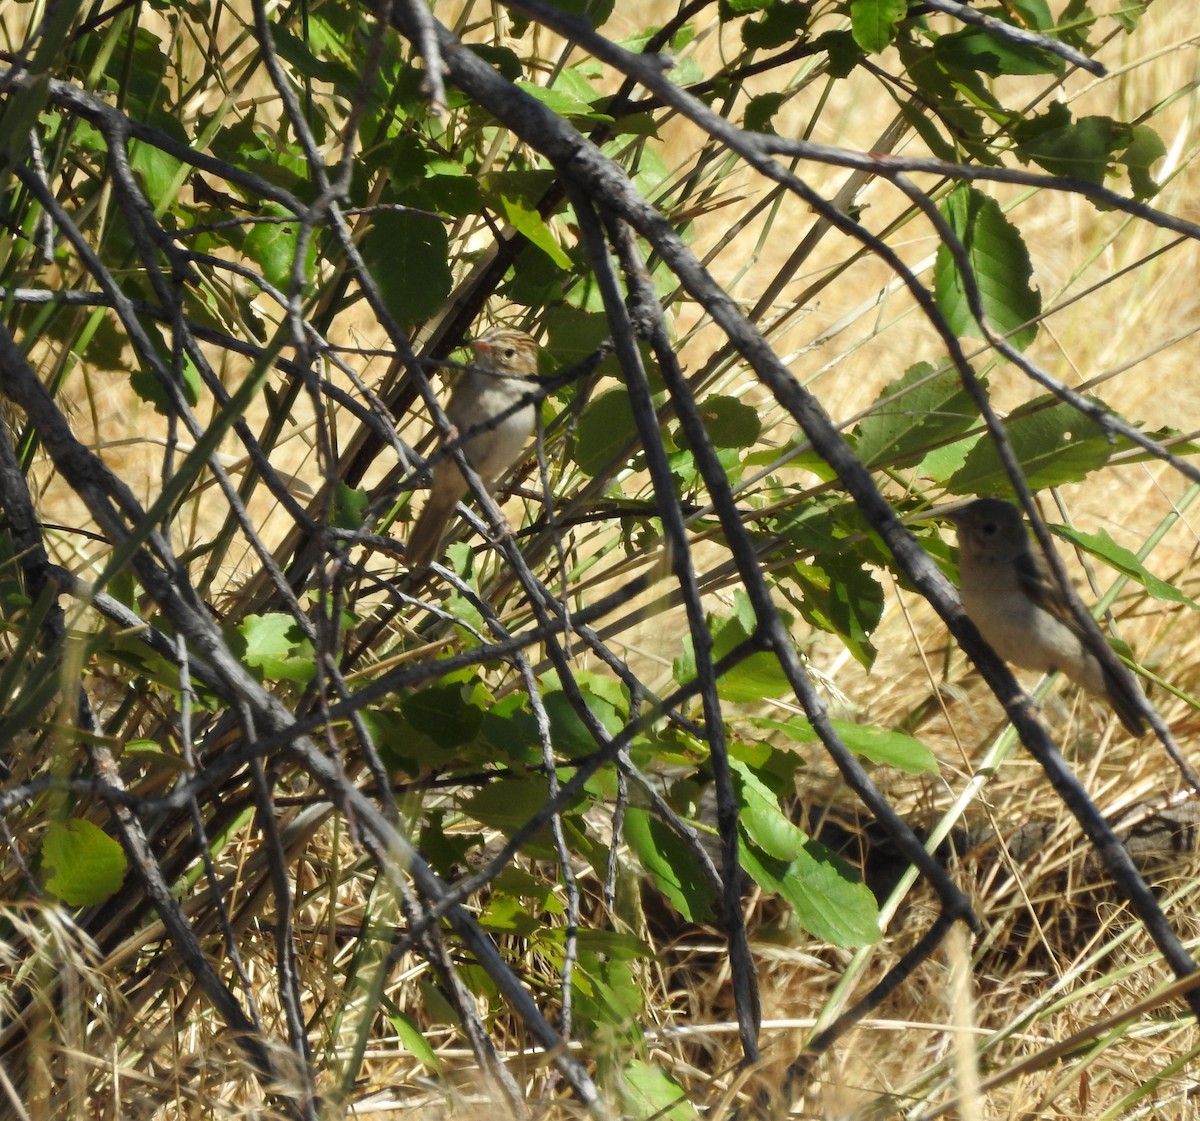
(606, 429)
(761, 110)
(761, 818)
(1053, 445)
(874, 22)
(781, 23)
(757, 676)
(399, 744)
(1102, 546)
(879, 745)
(615, 945)
(574, 333)
(684, 473)
(300, 54)
(525, 886)
(829, 901)
(273, 246)
(1001, 265)
(127, 650)
(414, 1042)
(507, 804)
(189, 380)
(534, 280)
(1032, 14)
(145, 383)
(138, 68)
(577, 82)
(806, 460)
(449, 188)
(839, 595)
(101, 346)
(509, 731)
(928, 131)
(941, 463)
(85, 865)
(503, 59)
(447, 849)
(527, 221)
(916, 412)
(730, 423)
(568, 732)
(731, 9)
(609, 997)
(158, 172)
(1076, 20)
(447, 713)
(648, 1091)
(530, 186)
(596, 12)
(1144, 150)
(1090, 148)
(280, 163)
(1171, 437)
(832, 529)
(671, 865)
(1079, 149)
(22, 107)
(1128, 14)
(505, 915)
(841, 50)
(775, 767)
(966, 110)
(278, 648)
(151, 751)
(409, 257)
(977, 49)
(349, 506)
(563, 104)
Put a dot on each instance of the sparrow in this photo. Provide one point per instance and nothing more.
(505, 360)
(1010, 595)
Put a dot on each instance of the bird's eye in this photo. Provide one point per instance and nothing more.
(509, 351)
(989, 528)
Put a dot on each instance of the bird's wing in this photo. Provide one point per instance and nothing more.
(1037, 582)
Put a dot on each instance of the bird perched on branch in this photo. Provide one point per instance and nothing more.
(493, 437)
(1010, 595)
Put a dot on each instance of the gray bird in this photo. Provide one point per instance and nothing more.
(505, 360)
(1009, 594)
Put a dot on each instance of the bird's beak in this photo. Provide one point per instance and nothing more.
(481, 347)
